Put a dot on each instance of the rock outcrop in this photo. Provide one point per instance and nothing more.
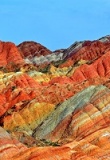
(31, 48)
(10, 57)
(55, 105)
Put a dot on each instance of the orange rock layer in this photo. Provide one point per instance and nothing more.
(9, 54)
(58, 109)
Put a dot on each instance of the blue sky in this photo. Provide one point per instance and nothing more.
(54, 23)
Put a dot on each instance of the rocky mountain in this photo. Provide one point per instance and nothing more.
(54, 105)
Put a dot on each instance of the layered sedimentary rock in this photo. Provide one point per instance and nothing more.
(86, 50)
(10, 57)
(9, 146)
(55, 105)
(31, 48)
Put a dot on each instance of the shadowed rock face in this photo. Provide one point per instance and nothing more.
(30, 48)
(55, 105)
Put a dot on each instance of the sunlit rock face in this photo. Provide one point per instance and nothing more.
(86, 50)
(10, 58)
(55, 105)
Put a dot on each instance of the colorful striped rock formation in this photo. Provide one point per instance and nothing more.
(55, 105)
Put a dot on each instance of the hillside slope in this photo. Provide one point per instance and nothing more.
(55, 105)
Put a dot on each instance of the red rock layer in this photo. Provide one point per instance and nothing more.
(30, 48)
(9, 54)
(26, 101)
(100, 68)
(9, 146)
(89, 51)
(90, 121)
(18, 90)
(23, 88)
